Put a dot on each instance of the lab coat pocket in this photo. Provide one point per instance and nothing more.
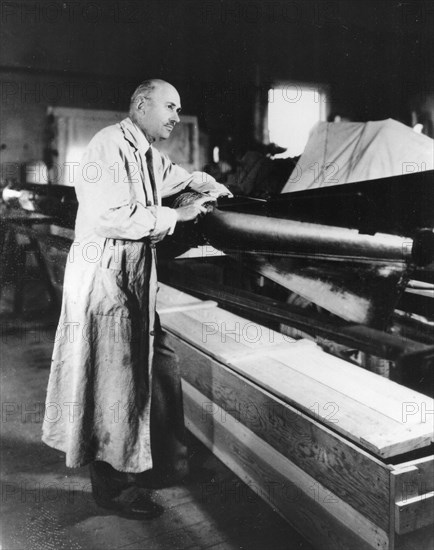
(120, 255)
(113, 255)
(110, 296)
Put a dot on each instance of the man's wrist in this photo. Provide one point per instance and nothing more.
(171, 217)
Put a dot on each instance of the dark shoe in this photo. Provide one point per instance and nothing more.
(132, 503)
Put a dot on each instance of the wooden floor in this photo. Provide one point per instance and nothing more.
(46, 506)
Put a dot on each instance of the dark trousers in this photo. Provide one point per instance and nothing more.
(168, 445)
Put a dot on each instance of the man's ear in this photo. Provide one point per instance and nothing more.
(141, 103)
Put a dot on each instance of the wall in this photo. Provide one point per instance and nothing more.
(221, 56)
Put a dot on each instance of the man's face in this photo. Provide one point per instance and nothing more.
(159, 112)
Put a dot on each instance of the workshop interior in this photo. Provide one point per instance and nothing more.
(301, 308)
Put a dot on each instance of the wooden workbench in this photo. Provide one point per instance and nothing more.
(343, 454)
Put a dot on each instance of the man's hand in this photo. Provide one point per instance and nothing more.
(204, 183)
(192, 211)
(220, 190)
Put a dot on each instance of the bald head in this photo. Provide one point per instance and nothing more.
(146, 89)
(154, 108)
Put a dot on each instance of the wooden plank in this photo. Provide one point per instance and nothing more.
(393, 426)
(425, 468)
(412, 497)
(186, 307)
(168, 296)
(378, 391)
(199, 335)
(344, 303)
(201, 251)
(414, 513)
(389, 398)
(323, 518)
(335, 463)
(377, 433)
(413, 478)
(222, 334)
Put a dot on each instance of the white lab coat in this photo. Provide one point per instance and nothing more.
(99, 390)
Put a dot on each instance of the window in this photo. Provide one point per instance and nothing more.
(293, 109)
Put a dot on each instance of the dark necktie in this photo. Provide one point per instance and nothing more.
(150, 166)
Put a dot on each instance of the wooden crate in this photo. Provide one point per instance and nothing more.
(316, 437)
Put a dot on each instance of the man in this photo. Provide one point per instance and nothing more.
(98, 408)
